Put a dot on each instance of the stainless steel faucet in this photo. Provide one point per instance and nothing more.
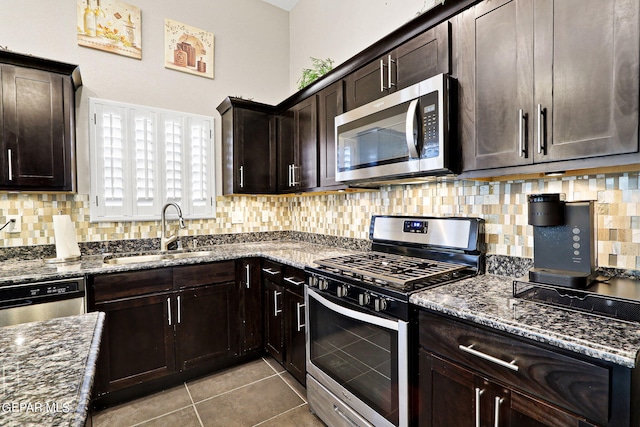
(164, 240)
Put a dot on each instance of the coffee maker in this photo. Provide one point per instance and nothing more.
(563, 241)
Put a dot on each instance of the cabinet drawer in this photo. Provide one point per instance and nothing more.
(123, 285)
(293, 279)
(272, 271)
(570, 383)
(203, 274)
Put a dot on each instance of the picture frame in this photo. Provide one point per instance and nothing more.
(110, 26)
(188, 49)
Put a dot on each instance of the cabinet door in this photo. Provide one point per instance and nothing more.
(286, 151)
(422, 57)
(137, 342)
(296, 350)
(446, 394)
(254, 153)
(306, 145)
(274, 320)
(298, 147)
(330, 105)
(206, 325)
(495, 76)
(586, 78)
(37, 130)
(250, 305)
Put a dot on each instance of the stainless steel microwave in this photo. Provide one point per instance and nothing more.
(402, 135)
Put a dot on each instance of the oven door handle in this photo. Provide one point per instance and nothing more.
(394, 325)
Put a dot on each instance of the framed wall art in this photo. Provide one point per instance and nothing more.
(188, 49)
(110, 26)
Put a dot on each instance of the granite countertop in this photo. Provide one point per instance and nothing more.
(296, 254)
(488, 300)
(48, 369)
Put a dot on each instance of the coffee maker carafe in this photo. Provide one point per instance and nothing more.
(563, 241)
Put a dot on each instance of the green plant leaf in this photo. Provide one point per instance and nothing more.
(319, 67)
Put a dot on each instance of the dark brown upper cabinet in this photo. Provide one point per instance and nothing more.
(37, 123)
(547, 81)
(330, 105)
(298, 148)
(423, 56)
(248, 147)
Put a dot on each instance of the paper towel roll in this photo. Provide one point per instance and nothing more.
(65, 236)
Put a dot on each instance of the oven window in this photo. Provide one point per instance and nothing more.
(360, 356)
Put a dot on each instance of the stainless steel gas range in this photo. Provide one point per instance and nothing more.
(358, 314)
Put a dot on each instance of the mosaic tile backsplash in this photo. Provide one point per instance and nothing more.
(502, 204)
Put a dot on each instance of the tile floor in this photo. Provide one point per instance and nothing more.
(259, 393)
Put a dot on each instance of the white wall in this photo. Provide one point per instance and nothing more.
(339, 29)
(251, 56)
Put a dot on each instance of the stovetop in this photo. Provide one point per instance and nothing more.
(403, 273)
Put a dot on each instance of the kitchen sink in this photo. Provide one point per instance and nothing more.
(155, 257)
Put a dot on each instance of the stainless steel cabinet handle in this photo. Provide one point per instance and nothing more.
(169, 310)
(241, 176)
(247, 270)
(412, 139)
(294, 180)
(540, 129)
(179, 311)
(9, 155)
(390, 80)
(509, 365)
(479, 393)
(276, 294)
(270, 271)
(496, 411)
(382, 88)
(521, 119)
(293, 282)
(300, 324)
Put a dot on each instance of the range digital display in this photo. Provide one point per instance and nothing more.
(416, 227)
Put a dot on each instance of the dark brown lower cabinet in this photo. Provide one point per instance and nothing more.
(296, 353)
(450, 395)
(165, 321)
(250, 294)
(274, 320)
(206, 324)
(284, 317)
(137, 342)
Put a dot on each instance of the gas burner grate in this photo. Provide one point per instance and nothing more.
(388, 269)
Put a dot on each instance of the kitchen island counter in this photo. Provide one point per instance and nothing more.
(488, 300)
(48, 369)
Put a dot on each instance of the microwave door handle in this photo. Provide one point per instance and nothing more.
(412, 142)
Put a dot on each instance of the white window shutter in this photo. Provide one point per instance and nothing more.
(173, 127)
(145, 162)
(109, 166)
(200, 166)
(143, 157)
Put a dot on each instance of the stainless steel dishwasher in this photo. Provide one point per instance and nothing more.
(36, 301)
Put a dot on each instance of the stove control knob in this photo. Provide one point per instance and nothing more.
(364, 299)
(379, 304)
(323, 284)
(342, 291)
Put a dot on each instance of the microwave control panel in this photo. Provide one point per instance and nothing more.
(430, 124)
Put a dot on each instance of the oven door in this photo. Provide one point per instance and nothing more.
(361, 358)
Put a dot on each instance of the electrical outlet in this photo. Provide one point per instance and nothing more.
(16, 226)
(237, 217)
